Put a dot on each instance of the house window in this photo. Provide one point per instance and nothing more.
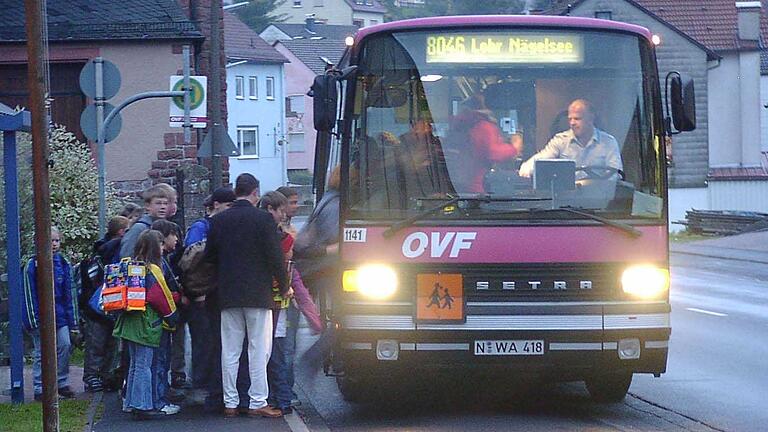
(296, 143)
(606, 15)
(296, 3)
(238, 87)
(294, 106)
(248, 140)
(374, 22)
(318, 3)
(270, 88)
(253, 87)
(358, 23)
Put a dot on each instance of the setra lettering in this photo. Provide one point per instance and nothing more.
(416, 244)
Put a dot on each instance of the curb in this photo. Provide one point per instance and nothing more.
(711, 255)
(310, 418)
(92, 409)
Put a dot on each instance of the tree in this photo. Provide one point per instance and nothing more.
(74, 195)
(258, 14)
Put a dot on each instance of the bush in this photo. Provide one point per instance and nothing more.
(74, 195)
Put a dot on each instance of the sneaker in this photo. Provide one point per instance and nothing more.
(295, 402)
(66, 392)
(127, 409)
(170, 409)
(287, 410)
(93, 385)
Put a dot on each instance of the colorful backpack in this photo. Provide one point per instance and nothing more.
(124, 286)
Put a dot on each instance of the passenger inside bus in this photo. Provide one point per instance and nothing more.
(595, 152)
(475, 133)
(422, 163)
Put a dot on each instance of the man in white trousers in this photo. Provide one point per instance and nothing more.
(244, 244)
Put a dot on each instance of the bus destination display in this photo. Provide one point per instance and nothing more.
(504, 48)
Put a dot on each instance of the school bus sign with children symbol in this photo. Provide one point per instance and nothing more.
(440, 297)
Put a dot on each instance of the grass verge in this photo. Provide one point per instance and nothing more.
(686, 236)
(29, 417)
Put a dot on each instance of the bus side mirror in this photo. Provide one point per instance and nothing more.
(325, 96)
(683, 99)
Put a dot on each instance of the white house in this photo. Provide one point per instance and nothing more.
(308, 47)
(360, 13)
(255, 105)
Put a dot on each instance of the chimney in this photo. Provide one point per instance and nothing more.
(749, 20)
(309, 25)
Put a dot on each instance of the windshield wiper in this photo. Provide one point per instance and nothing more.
(628, 229)
(397, 226)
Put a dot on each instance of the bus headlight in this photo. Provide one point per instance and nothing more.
(645, 281)
(377, 281)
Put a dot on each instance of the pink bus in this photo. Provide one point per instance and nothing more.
(503, 200)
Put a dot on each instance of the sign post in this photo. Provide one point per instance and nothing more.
(197, 109)
(100, 80)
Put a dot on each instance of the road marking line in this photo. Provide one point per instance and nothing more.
(707, 312)
(295, 422)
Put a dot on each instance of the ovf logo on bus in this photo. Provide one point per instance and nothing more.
(439, 245)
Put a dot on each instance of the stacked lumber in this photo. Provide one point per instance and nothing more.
(723, 222)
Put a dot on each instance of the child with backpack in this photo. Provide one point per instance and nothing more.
(170, 233)
(142, 330)
(99, 343)
(66, 316)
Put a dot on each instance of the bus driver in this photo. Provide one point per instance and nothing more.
(583, 143)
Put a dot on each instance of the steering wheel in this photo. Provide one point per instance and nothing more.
(600, 172)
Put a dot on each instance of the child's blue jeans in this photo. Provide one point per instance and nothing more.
(277, 373)
(140, 385)
(62, 358)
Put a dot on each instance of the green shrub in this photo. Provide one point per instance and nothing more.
(74, 194)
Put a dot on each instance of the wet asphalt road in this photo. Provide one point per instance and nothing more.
(717, 375)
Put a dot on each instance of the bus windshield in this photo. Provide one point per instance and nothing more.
(532, 119)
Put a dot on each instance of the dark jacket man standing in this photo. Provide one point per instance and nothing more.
(244, 244)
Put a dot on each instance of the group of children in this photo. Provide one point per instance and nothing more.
(131, 351)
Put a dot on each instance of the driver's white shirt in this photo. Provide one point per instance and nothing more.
(601, 150)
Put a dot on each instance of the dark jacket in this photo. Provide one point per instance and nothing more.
(65, 301)
(108, 250)
(244, 244)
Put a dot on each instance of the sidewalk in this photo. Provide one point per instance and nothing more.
(192, 418)
(75, 383)
(751, 247)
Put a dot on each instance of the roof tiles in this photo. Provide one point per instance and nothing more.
(101, 20)
(241, 42)
(311, 52)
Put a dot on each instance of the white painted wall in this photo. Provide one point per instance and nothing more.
(334, 11)
(764, 112)
(724, 108)
(681, 200)
(739, 195)
(749, 80)
(268, 115)
(368, 17)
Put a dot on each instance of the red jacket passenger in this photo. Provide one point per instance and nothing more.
(477, 128)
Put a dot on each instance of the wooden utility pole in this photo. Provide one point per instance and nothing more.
(42, 200)
(216, 93)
